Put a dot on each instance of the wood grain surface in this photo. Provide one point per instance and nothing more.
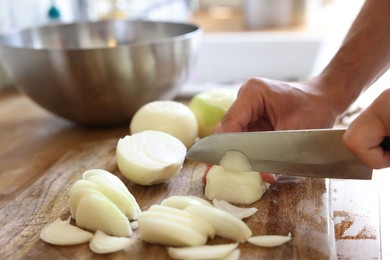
(42, 155)
(296, 205)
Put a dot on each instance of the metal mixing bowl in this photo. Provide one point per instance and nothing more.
(100, 73)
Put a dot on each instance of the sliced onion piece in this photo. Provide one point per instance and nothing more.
(150, 157)
(202, 252)
(62, 233)
(111, 186)
(234, 187)
(181, 202)
(123, 200)
(225, 224)
(134, 225)
(167, 232)
(236, 161)
(96, 212)
(79, 189)
(269, 240)
(182, 217)
(101, 243)
(234, 210)
(235, 255)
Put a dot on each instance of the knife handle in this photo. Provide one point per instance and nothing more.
(386, 143)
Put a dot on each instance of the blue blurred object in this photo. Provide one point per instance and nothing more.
(54, 12)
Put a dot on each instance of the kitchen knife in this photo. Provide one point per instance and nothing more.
(311, 153)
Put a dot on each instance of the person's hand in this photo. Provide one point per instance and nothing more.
(264, 104)
(366, 132)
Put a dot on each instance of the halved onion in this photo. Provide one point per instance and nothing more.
(101, 243)
(150, 157)
(234, 210)
(168, 116)
(269, 240)
(202, 252)
(62, 233)
(225, 224)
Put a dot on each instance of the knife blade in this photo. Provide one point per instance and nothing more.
(310, 153)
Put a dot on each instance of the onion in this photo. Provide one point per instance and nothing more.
(235, 211)
(96, 212)
(62, 233)
(225, 224)
(134, 225)
(111, 186)
(210, 106)
(269, 240)
(180, 216)
(102, 243)
(168, 232)
(150, 157)
(234, 187)
(202, 252)
(181, 202)
(167, 116)
(235, 255)
(234, 181)
(235, 161)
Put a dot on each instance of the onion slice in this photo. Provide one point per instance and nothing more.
(269, 240)
(182, 217)
(234, 210)
(225, 224)
(234, 255)
(62, 233)
(134, 225)
(102, 243)
(96, 212)
(181, 202)
(202, 252)
(168, 232)
(235, 161)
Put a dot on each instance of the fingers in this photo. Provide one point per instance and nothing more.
(247, 108)
(367, 131)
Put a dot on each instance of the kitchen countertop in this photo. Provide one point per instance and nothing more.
(32, 139)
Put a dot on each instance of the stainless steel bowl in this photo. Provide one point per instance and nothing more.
(100, 73)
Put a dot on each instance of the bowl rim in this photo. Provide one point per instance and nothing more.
(195, 30)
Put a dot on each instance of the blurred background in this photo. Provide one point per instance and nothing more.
(281, 39)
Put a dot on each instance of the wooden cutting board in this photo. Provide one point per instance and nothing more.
(299, 206)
